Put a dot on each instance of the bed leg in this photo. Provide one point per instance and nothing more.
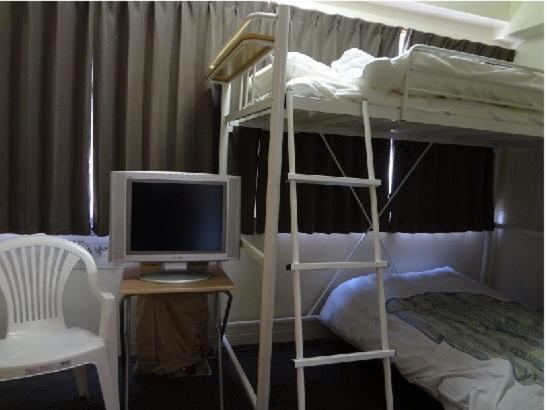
(387, 383)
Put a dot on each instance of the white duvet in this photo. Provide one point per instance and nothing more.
(439, 82)
(457, 379)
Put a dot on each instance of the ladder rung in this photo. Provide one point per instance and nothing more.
(337, 265)
(328, 180)
(343, 358)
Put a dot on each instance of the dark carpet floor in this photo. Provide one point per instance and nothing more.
(345, 386)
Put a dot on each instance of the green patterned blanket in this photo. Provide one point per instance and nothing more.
(481, 326)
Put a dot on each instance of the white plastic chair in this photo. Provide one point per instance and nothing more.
(33, 273)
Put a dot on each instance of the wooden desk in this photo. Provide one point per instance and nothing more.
(132, 286)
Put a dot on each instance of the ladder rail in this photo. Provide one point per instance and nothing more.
(297, 291)
(269, 266)
(377, 256)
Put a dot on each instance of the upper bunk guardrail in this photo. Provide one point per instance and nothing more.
(247, 97)
(475, 57)
(250, 47)
(251, 105)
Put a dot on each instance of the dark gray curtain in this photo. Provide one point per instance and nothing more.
(418, 37)
(324, 209)
(451, 190)
(243, 152)
(45, 77)
(154, 107)
(329, 209)
(325, 37)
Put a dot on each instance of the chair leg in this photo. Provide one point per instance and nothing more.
(81, 381)
(109, 386)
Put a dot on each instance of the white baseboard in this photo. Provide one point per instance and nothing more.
(247, 332)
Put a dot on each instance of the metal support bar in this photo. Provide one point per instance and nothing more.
(240, 98)
(219, 352)
(252, 250)
(253, 85)
(241, 373)
(125, 332)
(297, 291)
(246, 89)
(377, 257)
(226, 311)
(224, 129)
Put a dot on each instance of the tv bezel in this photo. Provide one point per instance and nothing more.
(120, 214)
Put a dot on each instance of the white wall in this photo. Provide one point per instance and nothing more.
(518, 262)
(530, 53)
(409, 252)
(518, 266)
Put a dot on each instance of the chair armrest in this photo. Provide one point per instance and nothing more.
(108, 327)
(108, 314)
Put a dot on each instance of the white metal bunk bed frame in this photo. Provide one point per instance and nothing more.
(253, 112)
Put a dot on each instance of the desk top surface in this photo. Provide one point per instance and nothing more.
(220, 281)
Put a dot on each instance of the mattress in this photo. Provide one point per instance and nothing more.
(457, 375)
(439, 83)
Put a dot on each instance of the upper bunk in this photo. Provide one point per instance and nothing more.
(426, 94)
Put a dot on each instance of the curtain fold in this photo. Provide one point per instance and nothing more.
(243, 151)
(325, 37)
(472, 47)
(451, 190)
(45, 83)
(154, 108)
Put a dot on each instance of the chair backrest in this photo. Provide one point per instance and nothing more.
(33, 273)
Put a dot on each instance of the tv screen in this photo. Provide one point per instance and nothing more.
(174, 217)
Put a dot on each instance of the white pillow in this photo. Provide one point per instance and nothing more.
(352, 63)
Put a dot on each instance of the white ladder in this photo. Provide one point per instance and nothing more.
(372, 183)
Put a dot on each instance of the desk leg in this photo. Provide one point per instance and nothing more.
(219, 350)
(121, 321)
(126, 332)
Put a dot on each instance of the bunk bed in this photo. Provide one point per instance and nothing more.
(396, 113)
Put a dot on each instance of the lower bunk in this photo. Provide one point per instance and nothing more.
(461, 341)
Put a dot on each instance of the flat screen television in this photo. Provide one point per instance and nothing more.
(173, 217)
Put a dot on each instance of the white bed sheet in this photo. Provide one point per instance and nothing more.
(457, 379)
(448, 74)
(381, 84)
